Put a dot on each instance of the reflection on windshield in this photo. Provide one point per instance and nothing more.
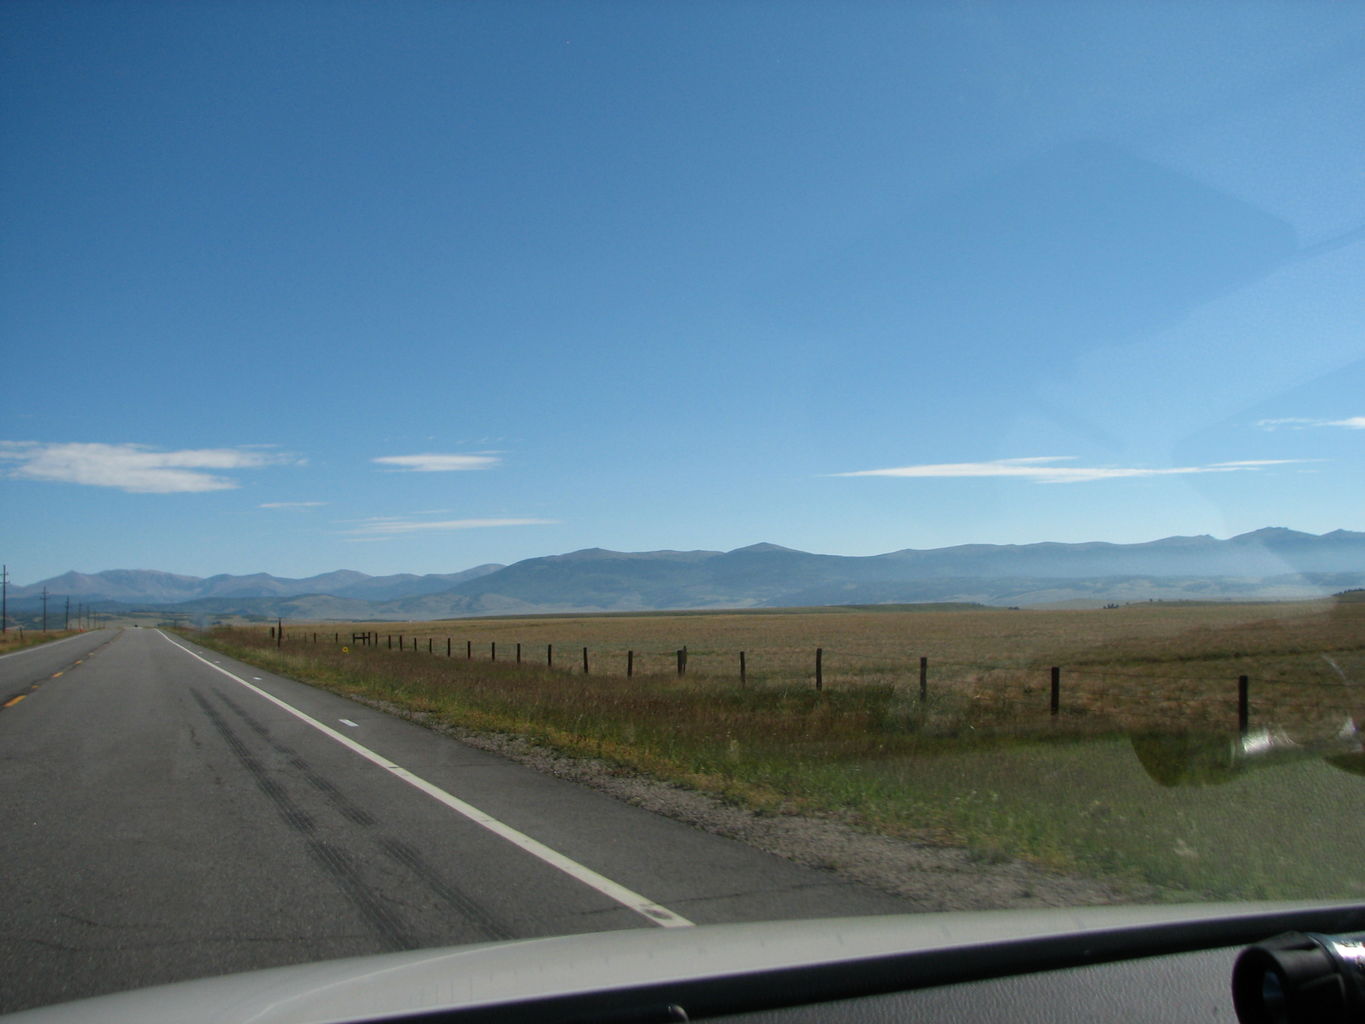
(1205, 759)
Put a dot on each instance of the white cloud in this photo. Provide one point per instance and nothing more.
(135, 468)
(1042, 469)
(1253, 463)
(437, 463)
(392, 526)
(291, 504)
(1303, 423)
(1287, 423)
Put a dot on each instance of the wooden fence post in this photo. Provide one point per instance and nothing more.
(923, 679)
(743, 675)
(492, 650)
(630, 664)
(447, 647)
(1243, 706)
(585, 661)
(549, 655)
(1056, 706)
(430, 641)
(819, 668)
(682, 662)
(518, 653)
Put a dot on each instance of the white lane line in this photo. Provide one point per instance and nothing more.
(343, 721)
(646, 908)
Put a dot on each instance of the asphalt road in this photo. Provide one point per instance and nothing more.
(169, 813)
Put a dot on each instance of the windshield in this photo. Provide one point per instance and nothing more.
(492, 471)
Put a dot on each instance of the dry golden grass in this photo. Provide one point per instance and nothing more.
(1136, 665)
(15, 639)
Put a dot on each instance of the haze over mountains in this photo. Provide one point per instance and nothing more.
(1265, 564)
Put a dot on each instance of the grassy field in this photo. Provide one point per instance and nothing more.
(1139, 778)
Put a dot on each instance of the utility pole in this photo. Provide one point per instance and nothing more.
(67, 625)
(44, 609)
(4, 599)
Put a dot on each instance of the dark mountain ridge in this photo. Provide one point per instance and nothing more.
(1269, 563)
(153, 587)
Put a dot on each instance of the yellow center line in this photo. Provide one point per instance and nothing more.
(13, 701)
(55, 675)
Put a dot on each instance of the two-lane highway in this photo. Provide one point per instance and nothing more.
(170, 813)
(23, 671)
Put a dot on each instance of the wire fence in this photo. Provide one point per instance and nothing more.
(1311, 693)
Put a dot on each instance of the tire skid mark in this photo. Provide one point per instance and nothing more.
(408, 857)
(396, 850)
(355, 815)
(378, 916)
(348, 810)
(613, 890)
(332, 860)
(294, 816)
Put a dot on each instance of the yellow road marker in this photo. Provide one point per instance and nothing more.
(13, 701)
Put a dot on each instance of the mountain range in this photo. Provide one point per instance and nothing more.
(1273, 563)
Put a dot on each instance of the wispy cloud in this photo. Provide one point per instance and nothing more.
(435, 462)
(1043, 469)
(135, 468)
(377, 527)
(1304, 423)
(291, 504)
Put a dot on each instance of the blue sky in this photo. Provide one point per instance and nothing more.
(293, 287)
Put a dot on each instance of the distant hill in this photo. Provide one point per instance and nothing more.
(146, 586)
(1274, 563)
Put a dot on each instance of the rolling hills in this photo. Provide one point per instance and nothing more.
(1273, 563)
